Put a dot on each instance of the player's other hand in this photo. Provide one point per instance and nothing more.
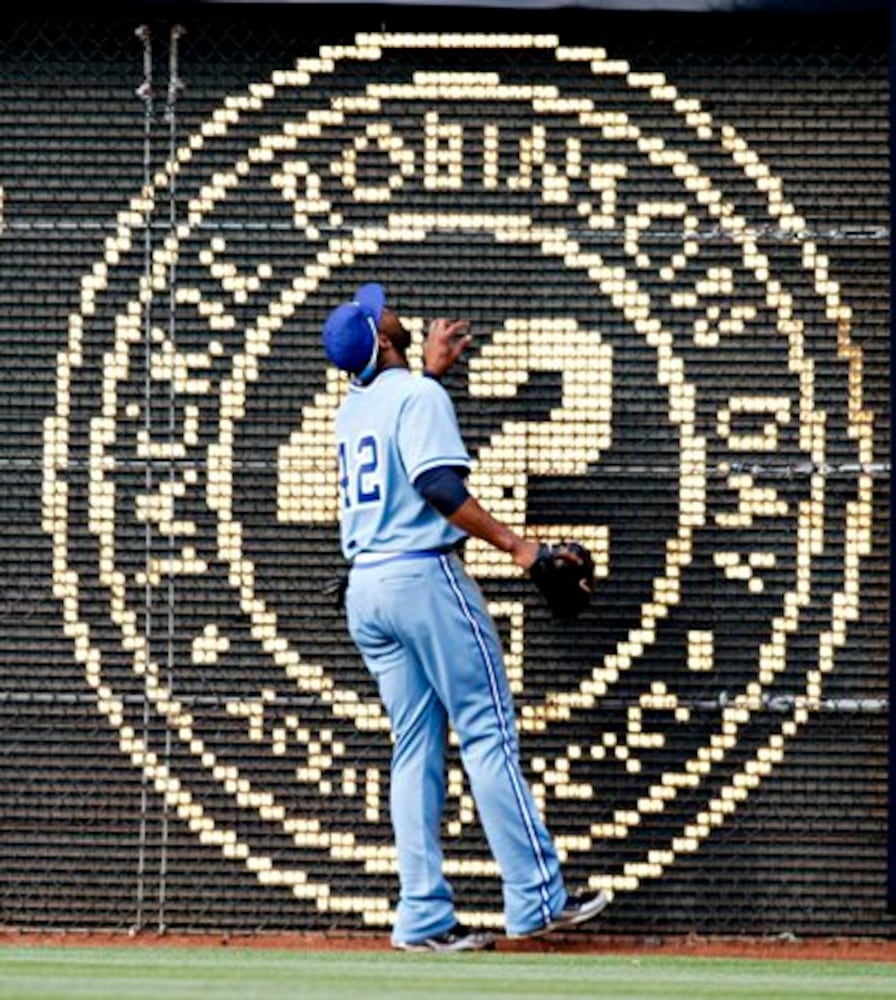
(445, 342)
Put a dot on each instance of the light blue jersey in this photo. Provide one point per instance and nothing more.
(387, 433)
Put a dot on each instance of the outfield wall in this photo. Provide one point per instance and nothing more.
(671, 234)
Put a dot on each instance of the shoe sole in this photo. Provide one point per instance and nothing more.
(566, 923)
(465, 945)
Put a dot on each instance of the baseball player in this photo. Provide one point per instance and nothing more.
(424, 631)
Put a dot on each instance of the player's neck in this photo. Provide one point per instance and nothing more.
(391, 357)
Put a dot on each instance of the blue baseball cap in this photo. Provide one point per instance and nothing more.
(350, 332)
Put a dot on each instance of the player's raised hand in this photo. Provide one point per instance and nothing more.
(445, 342)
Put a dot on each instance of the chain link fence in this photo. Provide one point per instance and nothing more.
(672, 239)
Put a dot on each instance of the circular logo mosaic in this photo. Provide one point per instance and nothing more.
(662, 369)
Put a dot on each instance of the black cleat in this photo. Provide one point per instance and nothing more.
(458, 938)
(578, 909)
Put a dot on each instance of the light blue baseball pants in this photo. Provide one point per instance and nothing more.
(422, 626)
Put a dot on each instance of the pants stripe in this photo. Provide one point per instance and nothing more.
(510, 761)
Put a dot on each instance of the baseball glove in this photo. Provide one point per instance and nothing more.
(564, 574)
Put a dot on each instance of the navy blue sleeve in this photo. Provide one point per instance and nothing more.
(443, 488)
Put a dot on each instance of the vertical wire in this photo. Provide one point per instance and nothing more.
(891, 490)
(174, 88)
(145, 93)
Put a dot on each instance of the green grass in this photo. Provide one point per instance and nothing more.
(73, 973)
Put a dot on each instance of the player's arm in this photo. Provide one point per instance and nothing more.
(443, 485)
(475, 520)
(445, 489)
